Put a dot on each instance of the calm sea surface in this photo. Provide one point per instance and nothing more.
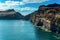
(22, 30)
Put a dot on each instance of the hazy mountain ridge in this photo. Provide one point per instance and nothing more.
(10, 14)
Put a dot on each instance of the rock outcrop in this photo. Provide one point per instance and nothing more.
(48, 15)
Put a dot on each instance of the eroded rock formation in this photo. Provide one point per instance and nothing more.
(49, 15)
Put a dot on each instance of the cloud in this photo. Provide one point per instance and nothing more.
(23, 2)
(11, 4)
(8, 5)
(34, 1)
(26, 10)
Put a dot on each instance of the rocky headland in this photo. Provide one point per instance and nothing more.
(47, 17)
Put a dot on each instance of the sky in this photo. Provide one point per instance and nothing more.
(25, 7)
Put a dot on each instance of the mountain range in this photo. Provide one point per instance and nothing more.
(10, 14)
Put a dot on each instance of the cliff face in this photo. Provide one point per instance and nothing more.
(10, 14)
(48, 15)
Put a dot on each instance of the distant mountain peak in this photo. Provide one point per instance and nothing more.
(10, 10)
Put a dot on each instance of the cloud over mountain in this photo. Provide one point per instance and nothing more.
(16, 4)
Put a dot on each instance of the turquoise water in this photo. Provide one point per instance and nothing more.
(22, 30)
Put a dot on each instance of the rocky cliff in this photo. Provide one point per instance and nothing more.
(48, 15)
